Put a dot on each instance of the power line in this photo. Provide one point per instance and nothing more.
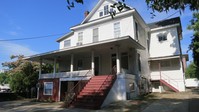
(28, 38)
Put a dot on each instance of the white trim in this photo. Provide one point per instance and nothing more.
(162, 58)
(44, 88)
(103, 19)
(165, 27)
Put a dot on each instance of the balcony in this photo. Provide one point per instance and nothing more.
(74, 74)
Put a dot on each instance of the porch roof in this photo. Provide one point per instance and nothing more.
(126, 41)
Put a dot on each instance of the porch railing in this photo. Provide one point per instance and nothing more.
(73, 92)
(73, 74)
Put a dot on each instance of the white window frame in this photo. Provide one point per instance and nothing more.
(162, 37)
(68, 43)
(80, 37)
(117, 30)
(136, 31)
(95, 34)
(106, 9)
(44, 92)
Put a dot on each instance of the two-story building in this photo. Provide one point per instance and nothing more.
(112, 59)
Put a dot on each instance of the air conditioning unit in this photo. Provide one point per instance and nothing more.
(79, 43)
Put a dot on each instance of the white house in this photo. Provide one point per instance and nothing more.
(104, 60)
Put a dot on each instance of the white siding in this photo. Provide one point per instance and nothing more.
(164, 48)
(106, 31)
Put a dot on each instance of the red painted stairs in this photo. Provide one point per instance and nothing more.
(94, 92)
(169, 85)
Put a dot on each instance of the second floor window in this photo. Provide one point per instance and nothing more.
(117, 29)
(136, 31)
(80, 37)
(95, 35)
(66, 43)
(106, 11)
(162, 37)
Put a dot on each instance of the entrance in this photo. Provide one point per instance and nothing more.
(97, 65)
(64, 88)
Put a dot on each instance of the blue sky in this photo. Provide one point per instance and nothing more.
(33, 18)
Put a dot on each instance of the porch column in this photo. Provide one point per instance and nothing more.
(118, 59)
(54, 68)
(71, 63)
(92, 63)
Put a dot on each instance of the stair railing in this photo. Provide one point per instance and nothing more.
(169, 80)
(73, 92)
(113, 72)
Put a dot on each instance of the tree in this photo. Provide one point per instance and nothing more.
(24, 73)
(4, 78)
(192, 71)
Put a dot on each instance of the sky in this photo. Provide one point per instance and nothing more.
(38, 18)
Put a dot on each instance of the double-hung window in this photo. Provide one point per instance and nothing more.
(117, 29)
(136, 31)
(80, 38)
(95, 35)
(66, 43)
(48, 88)
(106, 11)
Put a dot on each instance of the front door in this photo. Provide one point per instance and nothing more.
(96, 61)
(113, 61)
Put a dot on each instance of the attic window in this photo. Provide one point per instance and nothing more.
(162, 37)
(100, 14)
(106, 11)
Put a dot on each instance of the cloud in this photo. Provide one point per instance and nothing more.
(8, 48)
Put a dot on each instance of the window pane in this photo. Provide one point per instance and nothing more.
(48, 88)
(66, 43)
(117, 29)
(80, 37)
(106, 10)
(136, 31)
(95, 35)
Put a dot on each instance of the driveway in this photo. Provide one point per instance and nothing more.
(166, 102)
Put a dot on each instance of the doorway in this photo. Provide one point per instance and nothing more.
(97, 65)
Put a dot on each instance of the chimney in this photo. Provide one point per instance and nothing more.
(86, 13)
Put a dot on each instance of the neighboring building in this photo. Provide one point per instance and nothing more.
(3, 70)
(140, 57)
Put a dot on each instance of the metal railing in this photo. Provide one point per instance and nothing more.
(73, 74)
(112, 73)
(169, 80)
(73, 92)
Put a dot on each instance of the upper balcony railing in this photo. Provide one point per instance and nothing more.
(74, 74)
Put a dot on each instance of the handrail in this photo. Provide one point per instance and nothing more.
(113, 72)
(72, 97)
(170, 80)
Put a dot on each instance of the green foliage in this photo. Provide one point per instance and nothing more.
(24, 74)
(194, 46)
(192, 71)
(4, 78)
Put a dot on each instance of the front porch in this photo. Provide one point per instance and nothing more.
(80, 63)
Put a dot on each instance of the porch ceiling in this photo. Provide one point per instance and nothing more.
(124, 42)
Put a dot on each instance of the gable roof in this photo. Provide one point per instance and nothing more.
(93, 11)
(164, 23)
(100, 2)
(65, 36)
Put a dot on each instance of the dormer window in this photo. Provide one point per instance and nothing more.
(162, 37)
(106, 11)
